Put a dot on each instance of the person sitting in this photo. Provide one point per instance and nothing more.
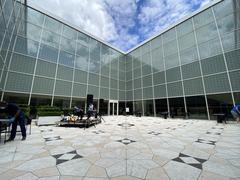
(16, 116)
(78, 111)
(236, 112)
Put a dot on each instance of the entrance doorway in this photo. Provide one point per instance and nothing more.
(113, 108)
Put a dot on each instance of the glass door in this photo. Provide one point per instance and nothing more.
(113, 108)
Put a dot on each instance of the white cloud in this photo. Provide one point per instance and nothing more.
(121, 23)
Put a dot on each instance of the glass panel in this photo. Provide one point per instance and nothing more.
(160, 106)
(235, 80)
(48, 53)
(19, 82)
(196, 107)
(52, 25)
(43, 85)
(80, 76)
(104, 81)
(62, 102)
(93, 90)
(26, 46)
(172, 61)
(50, 38)
(41, 100)
(22, 63)
(138, 107)
(158, 78)
(130, 106)
(175, 89)
(203, 18)
(224, 8)
(45, 69)
(160, 91)
(66, 59)
(186, 41)
(63, 88)
(79, 90)
(82, 62)
(213, 65)
(148, 107)
(207, 32)
(185, 27)
(217, 83)
(210, 48)
(34, 17)
(228, 23)
(176, 107)
(65, 73)
(104, 93)
(138, 94)
(193, 86)
(121, 108)
(173, 74)
(147, 93)
(191, 70)
(103, 107)
(189, 55)
(68, 45)
(233, 59)
(147, 81)
(231, 41)
(220, 103)
(69, 32)
(20, 99)
(93, 79)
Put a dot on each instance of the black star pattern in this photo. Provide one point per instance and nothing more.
(126, 125)
(46, 130)
(213, 133)
(190, 160)
(52, 138)
(98, 132)
(154, 133)
(61, 158)
(126, 141)
(206, 141)
(171, 128)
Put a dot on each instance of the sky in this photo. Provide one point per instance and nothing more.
(122, 23)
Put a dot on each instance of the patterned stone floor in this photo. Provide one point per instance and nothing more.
(123, 148)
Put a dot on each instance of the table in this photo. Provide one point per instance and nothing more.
(4, 123)
(220, 117)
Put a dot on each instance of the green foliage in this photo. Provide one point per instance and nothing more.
(46, 110)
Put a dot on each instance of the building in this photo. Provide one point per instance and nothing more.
(191, 68)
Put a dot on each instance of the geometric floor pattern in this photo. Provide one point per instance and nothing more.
(126, 148)
(61, 158)
(189, 160)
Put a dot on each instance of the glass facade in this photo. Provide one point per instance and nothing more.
(192, 69)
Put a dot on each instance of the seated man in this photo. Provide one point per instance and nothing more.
(17, 116)
(236, 112)
(78, 111)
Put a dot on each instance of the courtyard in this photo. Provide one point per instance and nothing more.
(126, 147)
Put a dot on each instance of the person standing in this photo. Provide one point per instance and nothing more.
(236, 112)
(16, 116)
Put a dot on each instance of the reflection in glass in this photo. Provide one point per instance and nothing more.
(220, 103)
(196, 107)
(138, 107)
(160, 106)
(41, 100)
(66, 59)
(176, 107)
(148, 107)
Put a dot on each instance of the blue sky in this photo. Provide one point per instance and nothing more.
(122, 23)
